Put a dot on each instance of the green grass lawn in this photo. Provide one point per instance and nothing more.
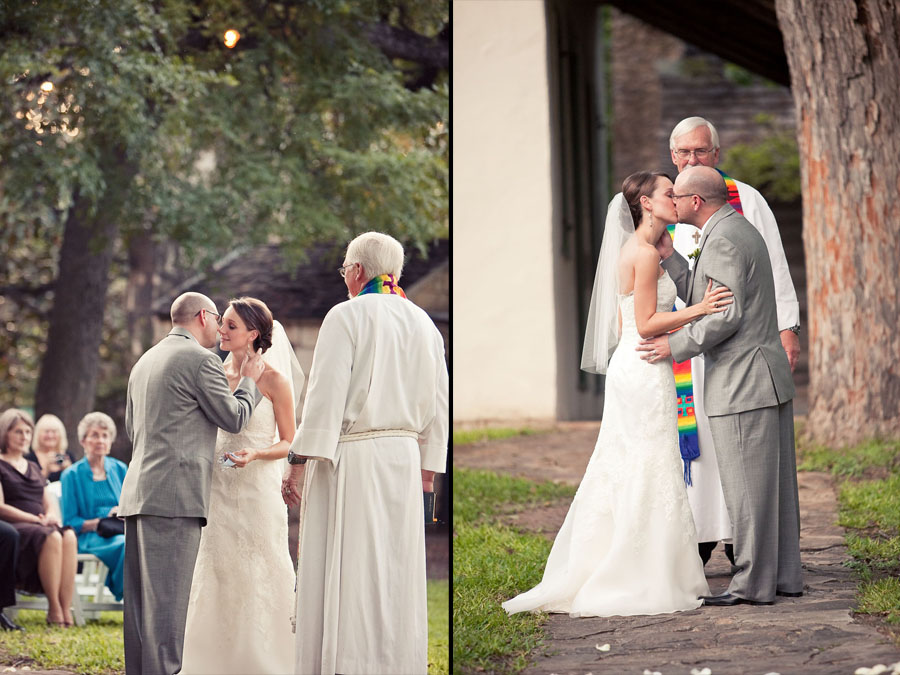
(869, 508)
(96, 649)
(438, 626)
(464, 436)
(492, 563)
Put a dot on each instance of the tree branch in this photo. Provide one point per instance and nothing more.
(395, 42)
(21, 290)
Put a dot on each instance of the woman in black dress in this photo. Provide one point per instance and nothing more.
(47, 551)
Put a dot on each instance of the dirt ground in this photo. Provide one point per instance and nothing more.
(816, 633)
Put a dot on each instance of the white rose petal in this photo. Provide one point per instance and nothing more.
(697, 671)
(601, 648)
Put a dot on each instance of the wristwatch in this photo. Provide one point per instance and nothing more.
(295, 459)
(795, 329)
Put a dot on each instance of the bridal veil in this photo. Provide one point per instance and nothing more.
(602, 332)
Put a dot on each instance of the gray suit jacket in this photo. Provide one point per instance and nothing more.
(178, 396)
(745, 364)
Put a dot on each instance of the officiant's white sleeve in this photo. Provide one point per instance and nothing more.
(757, 211)
(433, 438)
(329, 384)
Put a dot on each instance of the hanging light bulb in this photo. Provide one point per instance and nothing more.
(231, 38)
(47, 86)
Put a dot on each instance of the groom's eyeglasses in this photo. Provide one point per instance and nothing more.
(689, 194)
(209, 311)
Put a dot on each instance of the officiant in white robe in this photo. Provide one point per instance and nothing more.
(375, 425)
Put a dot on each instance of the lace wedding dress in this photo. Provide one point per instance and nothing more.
(242, 598)
(628, 544)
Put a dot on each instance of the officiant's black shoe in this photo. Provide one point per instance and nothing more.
(7, 624)
(729, 600)
(785, 594)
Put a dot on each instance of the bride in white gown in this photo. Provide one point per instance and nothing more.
(628, 544)
(242, 598)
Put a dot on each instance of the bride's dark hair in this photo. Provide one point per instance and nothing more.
(636, 186)
(256, 316)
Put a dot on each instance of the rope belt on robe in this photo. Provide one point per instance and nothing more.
(377, 433)
(688, 442)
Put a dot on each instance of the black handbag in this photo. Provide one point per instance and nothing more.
(109, 527)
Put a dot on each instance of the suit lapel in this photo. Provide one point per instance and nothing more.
(714, 220)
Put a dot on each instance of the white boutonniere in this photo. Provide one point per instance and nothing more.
(693, 255)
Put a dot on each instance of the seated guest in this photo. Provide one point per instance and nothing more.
(47, 551)
(49, 447)
(90, 497)
(9, 553)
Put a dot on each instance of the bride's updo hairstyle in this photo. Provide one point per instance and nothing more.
(256, 316)
(636, 186)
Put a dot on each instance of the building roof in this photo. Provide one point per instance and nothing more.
(745, 32)
(306, 291)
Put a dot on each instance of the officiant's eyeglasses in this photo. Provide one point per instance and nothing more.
(689, 194)
(699, 153)
(209, 311)
(343, 270)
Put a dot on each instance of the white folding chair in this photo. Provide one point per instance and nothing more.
(91, 595)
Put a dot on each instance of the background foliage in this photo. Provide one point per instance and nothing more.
(772, 165)
(126, 125)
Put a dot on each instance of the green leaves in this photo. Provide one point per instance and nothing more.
(303, 102)
(772, 165)
(304, 132)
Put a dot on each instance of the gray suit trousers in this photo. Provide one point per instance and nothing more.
(758, 470)
(159, 567)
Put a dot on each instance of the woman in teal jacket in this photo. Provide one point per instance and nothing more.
(91, 488)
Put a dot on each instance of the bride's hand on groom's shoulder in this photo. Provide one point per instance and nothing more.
(253, 366)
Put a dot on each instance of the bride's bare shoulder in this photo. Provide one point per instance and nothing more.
(646, 254)
(273, 384)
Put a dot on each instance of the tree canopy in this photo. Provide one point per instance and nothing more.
(125, 121)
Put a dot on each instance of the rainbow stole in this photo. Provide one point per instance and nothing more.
(385, 284)
(733, 197)
(688, 443)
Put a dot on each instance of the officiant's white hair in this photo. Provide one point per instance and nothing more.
(378, 253)
(688, 124)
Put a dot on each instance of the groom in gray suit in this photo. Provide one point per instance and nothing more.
(178, 396)
(748, 388)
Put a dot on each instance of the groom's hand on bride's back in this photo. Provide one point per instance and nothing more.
(253, 365)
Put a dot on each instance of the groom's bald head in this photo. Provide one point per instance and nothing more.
(699, 193)
(703, 181)
(187, 306)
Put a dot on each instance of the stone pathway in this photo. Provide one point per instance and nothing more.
(815, 634)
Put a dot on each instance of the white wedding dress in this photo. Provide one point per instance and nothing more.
(628, 544)
(242, 598)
